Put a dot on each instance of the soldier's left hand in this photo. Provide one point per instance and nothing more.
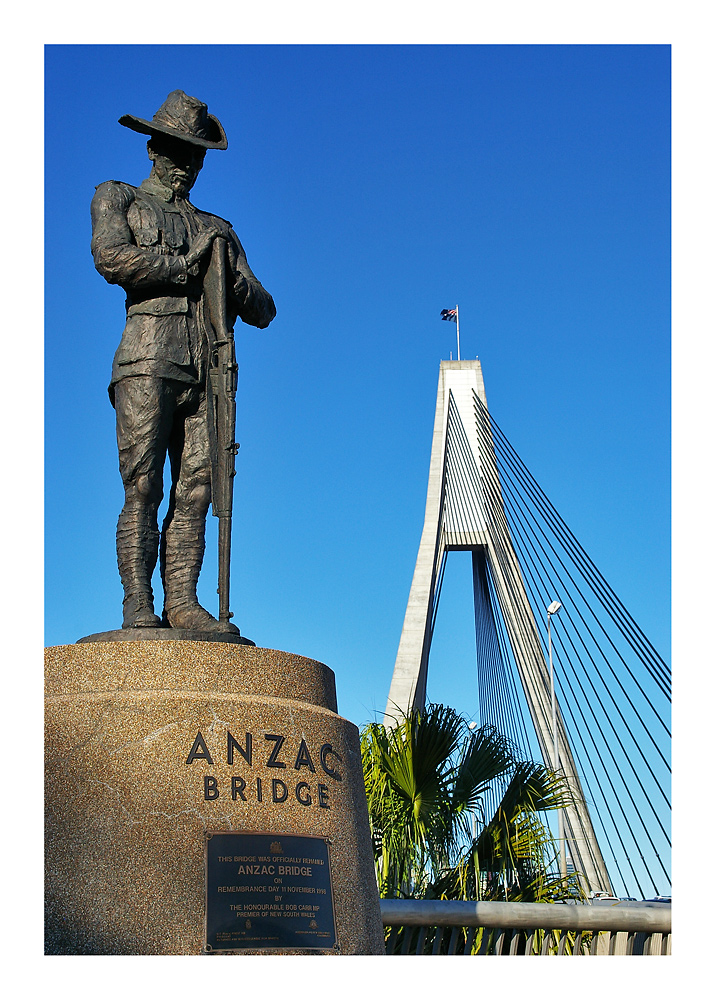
(255, 304)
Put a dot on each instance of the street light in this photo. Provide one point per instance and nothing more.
(554, 609)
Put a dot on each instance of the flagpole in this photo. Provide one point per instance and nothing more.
(457, 319)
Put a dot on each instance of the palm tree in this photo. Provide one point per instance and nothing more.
(426, 779)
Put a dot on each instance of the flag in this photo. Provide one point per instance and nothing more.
(449, 314)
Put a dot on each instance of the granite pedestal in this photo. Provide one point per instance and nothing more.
(152, 743)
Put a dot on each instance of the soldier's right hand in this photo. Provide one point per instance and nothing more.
(201, 244)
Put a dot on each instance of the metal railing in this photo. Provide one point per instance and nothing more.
(442, 927)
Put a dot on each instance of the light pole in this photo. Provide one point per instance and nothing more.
(554, 609)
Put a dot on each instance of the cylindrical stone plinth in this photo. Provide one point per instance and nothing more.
(151, 744)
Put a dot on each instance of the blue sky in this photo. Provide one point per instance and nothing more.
(373, 186)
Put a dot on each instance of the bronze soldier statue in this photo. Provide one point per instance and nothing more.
(154, 243)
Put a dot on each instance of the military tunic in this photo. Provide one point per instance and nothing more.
(139, 239)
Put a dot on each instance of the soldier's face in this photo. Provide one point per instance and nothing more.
(176, 164)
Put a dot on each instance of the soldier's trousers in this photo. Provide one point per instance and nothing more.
(157, 417)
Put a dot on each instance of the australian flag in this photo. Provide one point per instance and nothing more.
(449, 314)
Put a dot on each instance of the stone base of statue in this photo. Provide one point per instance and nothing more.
(202, 797)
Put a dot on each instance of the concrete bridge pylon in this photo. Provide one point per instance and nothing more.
(464, 512)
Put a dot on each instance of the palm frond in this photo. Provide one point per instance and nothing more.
(426, 778)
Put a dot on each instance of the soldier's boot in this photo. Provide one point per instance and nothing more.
(137, 548)
(182, 552)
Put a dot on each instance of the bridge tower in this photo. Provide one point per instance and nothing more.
(464, 512)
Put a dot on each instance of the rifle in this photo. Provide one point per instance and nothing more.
(221, 406)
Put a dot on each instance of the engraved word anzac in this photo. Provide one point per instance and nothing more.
(273, 751)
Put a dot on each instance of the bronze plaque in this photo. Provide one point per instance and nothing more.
(268, 890)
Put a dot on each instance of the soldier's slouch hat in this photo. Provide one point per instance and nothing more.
(182, 117)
